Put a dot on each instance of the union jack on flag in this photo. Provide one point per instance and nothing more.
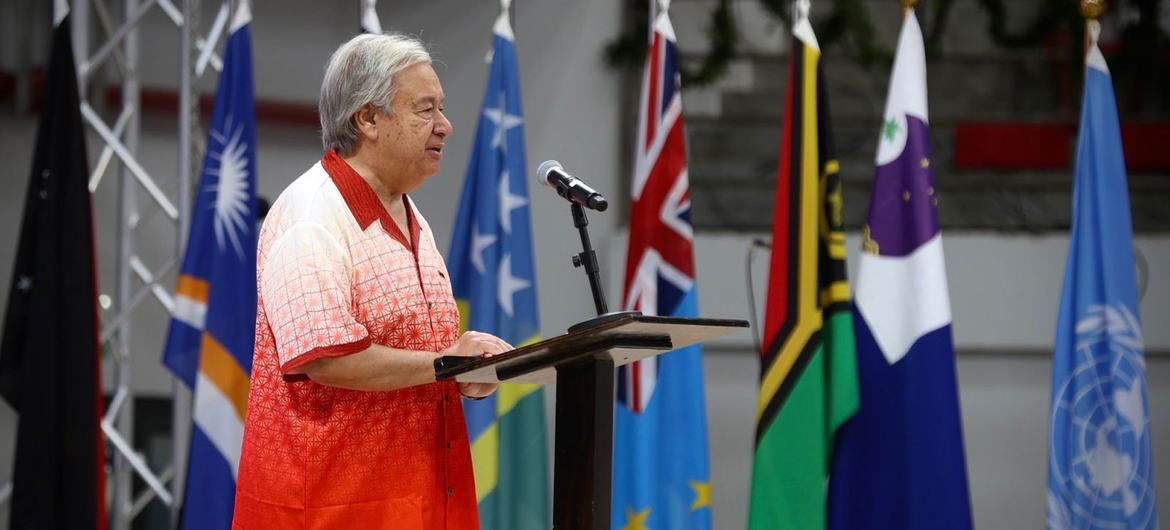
(660, 265)
(661, 469)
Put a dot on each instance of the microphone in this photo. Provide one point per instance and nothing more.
(551, 174)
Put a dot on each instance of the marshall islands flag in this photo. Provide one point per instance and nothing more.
(899, 461)
(213, 325)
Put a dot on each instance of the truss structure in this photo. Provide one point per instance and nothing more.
(135, 280)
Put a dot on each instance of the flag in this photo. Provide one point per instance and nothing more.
(808, 377)
(1100, 471)
(661, 476)
(369, 17)
(493, 277)
(50, 361)
(899, 462)
(213, 325)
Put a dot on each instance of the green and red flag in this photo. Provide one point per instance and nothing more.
(808, 370)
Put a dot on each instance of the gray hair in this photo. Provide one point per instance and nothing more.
(362, 72)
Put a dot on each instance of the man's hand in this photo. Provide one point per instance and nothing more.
(474, 344)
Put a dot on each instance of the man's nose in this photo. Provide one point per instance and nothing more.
(443, 127)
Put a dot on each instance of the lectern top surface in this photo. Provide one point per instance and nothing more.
(623, 340)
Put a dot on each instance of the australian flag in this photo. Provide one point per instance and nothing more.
(1100, 471)
(899, 462)
(661, 472)
(493, 277)
(213, 324)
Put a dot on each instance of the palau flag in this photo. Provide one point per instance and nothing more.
(899, 462)
(1100, 472)
(494, 280)
(661, 476)
(213, 325)
(808, 376)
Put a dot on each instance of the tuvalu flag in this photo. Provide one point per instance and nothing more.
(50, 362)
(661, 475)
(808, 377)
(1100, 466)
(899, 462)
(493, 277)
(213, 325)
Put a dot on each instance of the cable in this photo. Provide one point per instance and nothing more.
(751, 293)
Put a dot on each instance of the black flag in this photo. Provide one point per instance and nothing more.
(49, 356)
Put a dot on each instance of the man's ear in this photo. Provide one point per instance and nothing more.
(366, 121)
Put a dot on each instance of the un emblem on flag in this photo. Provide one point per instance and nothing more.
(1100, 474)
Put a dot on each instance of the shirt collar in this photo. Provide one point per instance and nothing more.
(364, 203)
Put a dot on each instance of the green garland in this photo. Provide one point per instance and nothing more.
(629, 50)
(1050, 17)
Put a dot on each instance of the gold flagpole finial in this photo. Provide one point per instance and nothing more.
(1092, 9)
(909, 4)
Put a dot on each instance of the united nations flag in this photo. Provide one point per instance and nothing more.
(1100, 474)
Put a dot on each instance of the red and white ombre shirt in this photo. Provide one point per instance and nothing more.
(335, 274)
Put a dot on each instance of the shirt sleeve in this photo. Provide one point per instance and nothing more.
(308, 298)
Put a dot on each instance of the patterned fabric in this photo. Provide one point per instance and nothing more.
(331, 281)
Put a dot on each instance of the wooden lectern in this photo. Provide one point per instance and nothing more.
(582, 363)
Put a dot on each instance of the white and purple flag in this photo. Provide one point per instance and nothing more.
(899, 462)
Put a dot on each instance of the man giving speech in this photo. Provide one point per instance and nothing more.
(346, 426)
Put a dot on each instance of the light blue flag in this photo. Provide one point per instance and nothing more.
(661, 472)
(494, 281)
(213, 325)
(1100, 471)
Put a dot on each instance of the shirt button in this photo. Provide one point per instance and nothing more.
(448, 445)
(450, 491)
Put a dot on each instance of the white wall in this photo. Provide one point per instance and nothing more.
(1004, 288)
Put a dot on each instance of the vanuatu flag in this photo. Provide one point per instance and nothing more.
(494, 280)
(808, 375)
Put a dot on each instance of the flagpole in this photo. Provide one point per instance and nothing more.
(181, 401)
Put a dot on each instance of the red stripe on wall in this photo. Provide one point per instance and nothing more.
(1018, 146)
(1000, 146)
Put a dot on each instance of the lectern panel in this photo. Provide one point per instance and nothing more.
(622, 341)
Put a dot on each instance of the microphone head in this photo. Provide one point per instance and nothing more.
(543, 170)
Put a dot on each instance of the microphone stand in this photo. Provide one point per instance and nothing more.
(588, 259)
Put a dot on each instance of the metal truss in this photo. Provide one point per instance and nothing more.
(135, 280)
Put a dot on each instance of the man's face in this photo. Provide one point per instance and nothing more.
(410, 143)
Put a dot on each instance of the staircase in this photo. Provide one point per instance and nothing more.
(734, 126)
